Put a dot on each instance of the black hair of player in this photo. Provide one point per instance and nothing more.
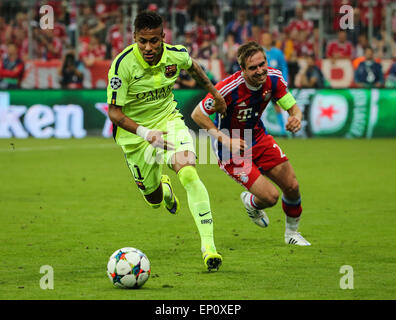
(147, 20)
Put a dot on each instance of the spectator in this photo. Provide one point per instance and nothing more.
(340, 48)
(293, 67)
(181, 16)
(95, 25)
(191, 45)
(85, 36)
(361, 45)
(71, 72)
(207, 49)
(275, 57)
(11, 69)
(288, 8)
(105, 9)
(5, 31)
(241, 27)
(299, 23)
(391, 77)
(203, 30)
(230, 49)
(95, 51)
(115, 35)
(304, 45)
(369, 72)
(50, 45)
(377, 10)
(285, 42)
(312, 77)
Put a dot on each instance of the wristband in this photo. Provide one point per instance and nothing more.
(142, 132)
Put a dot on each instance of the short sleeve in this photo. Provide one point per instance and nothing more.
(186, 62)
(207, 105)
(282, 96)
(117, 86)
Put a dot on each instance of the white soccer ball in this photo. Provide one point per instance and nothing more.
(128, 268)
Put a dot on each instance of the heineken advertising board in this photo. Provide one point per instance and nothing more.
(349, 113)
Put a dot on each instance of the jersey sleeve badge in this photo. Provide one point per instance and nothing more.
(115, 83)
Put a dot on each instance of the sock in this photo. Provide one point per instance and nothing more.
(292, 209)
(250, 202)
(198, 202)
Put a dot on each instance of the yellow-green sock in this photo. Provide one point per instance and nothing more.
(198, 202)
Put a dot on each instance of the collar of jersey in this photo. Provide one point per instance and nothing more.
(144, 64)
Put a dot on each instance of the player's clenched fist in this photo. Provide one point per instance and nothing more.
(154, 137)
(293, 124)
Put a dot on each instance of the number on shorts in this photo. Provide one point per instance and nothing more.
(280, 150)
(139, 174)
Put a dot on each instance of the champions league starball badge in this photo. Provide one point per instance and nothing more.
(115, 83)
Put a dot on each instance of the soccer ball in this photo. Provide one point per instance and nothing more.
(128, 268)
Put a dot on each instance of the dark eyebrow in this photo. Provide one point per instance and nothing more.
(257, 65)
(155, 38)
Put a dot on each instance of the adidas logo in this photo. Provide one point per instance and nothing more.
(292, 241)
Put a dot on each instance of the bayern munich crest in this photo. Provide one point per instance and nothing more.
(115, 83)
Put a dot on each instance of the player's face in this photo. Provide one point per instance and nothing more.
(256, 68)
(150, 42)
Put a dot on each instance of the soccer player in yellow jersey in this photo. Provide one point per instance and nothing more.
(146, 123)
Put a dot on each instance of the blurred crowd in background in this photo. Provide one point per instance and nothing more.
(88, 31)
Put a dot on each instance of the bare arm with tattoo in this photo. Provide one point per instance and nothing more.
(199, 75)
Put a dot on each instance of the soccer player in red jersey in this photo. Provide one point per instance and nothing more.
(244, 149)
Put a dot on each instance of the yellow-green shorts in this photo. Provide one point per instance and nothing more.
(145, 162)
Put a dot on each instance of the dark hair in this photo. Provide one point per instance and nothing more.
(147, 20)
(247, 50)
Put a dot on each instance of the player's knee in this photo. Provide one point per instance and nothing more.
(271, 197)
(292, 189)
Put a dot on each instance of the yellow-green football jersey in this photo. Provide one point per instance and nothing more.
(143, 91)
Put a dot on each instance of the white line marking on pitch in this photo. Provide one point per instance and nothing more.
(13, 148)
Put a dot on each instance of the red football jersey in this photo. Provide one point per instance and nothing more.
(245, 104)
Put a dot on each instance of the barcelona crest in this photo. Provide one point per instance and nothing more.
(170, 70)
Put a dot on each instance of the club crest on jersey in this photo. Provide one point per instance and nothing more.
(267, 95)
(170, 70)
(243, 177)
(115, 83)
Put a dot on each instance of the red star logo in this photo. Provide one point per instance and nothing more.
(328, 112)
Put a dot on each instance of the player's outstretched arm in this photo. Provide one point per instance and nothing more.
(199, 75)
(234, 145)
(154, 137)
(294, 121)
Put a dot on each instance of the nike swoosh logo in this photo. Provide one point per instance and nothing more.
(204, 214)
(184, 142)
(138, 78)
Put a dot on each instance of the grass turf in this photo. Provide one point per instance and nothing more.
(71, 203)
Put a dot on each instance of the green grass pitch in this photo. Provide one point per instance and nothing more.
(70, 204)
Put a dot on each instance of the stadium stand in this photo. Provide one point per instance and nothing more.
(97, 30)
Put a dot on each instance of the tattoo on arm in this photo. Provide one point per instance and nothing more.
(200, 76)
(121, 121)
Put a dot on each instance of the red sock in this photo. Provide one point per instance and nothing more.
(292, 208)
